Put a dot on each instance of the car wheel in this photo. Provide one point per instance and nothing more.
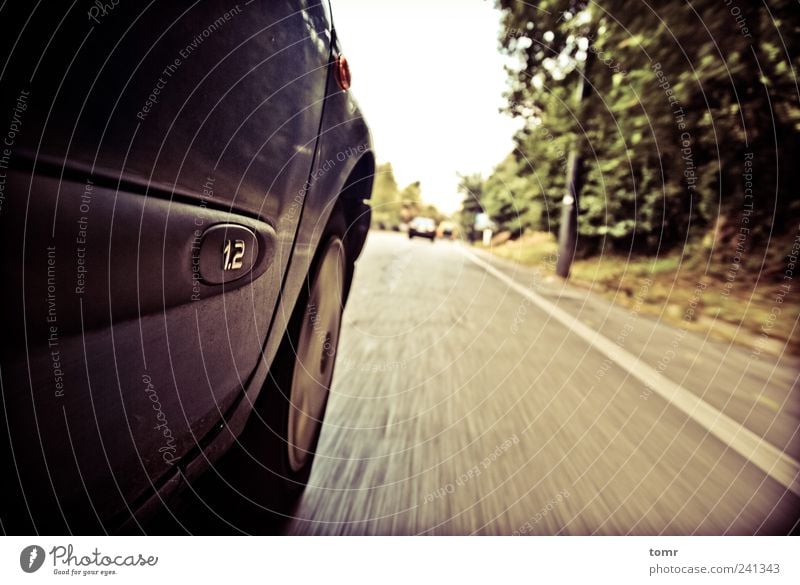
(271, 463)
(314, 357)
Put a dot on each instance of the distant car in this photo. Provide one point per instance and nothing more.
(181, 217)
(447, 230)
(423, 227)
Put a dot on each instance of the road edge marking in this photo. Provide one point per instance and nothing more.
(755, 449)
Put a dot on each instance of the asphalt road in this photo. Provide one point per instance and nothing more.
(461, 407)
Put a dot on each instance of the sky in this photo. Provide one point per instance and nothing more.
(430, 80)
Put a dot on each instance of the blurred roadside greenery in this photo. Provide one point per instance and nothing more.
(740, 311)
(392, 206)
(689, 136)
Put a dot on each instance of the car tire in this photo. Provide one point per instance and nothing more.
(269, 467)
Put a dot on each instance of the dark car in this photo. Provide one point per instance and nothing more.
(182, 202)
(447, 229)
(423, 227)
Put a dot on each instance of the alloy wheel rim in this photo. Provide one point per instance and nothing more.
(315, 356)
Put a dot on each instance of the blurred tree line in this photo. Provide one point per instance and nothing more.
(689, 126)
(392, 206)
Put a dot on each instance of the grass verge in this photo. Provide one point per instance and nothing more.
(742, 305)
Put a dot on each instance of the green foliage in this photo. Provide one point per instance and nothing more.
(471, 187)
(679, 96)
(391, 206)
(385, 197)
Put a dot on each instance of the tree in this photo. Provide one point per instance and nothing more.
(391, 206)
(680, 95)
(471, 187)
(385, 201)
(411, 201)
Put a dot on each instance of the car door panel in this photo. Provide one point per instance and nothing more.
(120, 355)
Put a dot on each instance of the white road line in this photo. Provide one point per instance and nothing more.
(768, 458)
